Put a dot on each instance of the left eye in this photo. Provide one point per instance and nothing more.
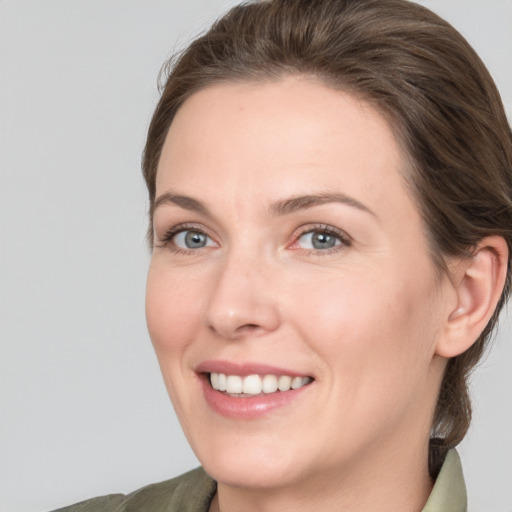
(318, 240)
(189, 239)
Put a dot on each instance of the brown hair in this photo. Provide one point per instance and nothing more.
(423, 76)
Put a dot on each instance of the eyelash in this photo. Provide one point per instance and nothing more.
(346, 241)
(166, 239)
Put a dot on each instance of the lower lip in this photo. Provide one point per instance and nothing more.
(248, 408)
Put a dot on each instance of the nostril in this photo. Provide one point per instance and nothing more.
(237, 331)
(248, 328)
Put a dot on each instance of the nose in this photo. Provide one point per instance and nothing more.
(242, 302)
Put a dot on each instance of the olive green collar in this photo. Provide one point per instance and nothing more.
(449, 492)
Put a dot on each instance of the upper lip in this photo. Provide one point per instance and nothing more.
(244, 369)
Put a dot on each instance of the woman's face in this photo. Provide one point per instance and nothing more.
(288, 251)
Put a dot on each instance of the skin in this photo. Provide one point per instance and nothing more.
(365, 318)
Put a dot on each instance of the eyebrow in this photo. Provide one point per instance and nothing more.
(279, 208)
(296, 203)
(185, 202)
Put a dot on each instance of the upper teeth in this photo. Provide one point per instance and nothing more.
(254, 384)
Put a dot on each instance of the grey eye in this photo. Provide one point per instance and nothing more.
(318, 240)
(192, 240)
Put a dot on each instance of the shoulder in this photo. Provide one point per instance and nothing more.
(190, 492)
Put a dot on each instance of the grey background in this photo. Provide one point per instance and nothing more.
(83, 409)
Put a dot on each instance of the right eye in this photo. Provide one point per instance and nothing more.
(189, 239)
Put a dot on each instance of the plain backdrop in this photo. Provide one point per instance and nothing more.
(83, 409)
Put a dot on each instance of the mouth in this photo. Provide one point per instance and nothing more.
(248, 391)
(243, 386)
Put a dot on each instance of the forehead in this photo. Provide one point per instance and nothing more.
(290, 136)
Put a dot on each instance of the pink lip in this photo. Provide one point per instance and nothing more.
(247, 408)
(244, 369)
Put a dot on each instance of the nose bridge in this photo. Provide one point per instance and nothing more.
(240, 303)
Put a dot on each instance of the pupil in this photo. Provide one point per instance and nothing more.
(194, 240)
(323, 241)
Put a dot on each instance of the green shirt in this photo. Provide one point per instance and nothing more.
(193, 492)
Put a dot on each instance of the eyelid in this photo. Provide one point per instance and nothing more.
(343, 236)
(166, 238)
(346, 240)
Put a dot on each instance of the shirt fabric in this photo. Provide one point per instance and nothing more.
(193, 492)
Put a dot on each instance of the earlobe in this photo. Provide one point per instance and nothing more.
(478, 281)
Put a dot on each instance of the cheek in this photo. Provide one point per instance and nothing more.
(370, 326)
(173, 318)
(172, 310)
(374, 339)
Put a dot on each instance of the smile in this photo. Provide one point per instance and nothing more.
(251, 385)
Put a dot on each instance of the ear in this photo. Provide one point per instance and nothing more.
(478, 281)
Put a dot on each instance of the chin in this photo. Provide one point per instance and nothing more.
(256, 474)
(246, 461)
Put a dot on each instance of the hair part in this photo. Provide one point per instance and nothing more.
(430, 85)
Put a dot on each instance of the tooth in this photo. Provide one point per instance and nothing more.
(252, 385)
(234, 384)
(269, 384)
(297, 382)
(222, 382)
(284, 383)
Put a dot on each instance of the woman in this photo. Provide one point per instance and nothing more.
(331, 208)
